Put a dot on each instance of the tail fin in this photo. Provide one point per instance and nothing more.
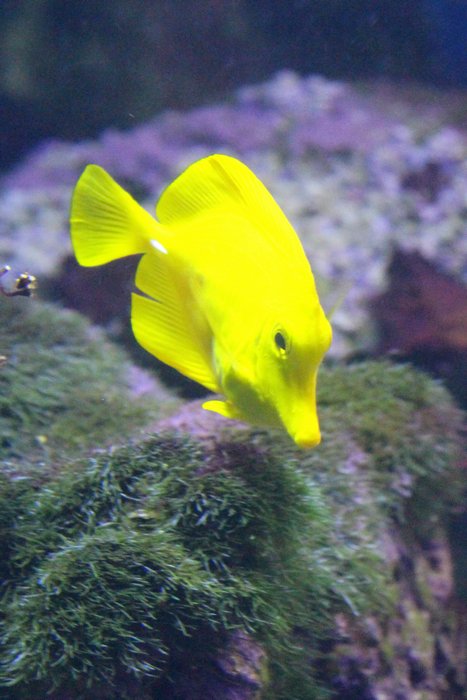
(106, 222)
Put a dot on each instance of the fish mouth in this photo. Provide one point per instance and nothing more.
(302, 425)
(307, 440)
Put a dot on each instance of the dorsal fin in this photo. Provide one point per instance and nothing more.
(223, 184)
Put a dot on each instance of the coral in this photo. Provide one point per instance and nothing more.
(122, 63)
(357, 170)
(162, 565)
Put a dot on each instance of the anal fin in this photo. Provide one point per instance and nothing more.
(167, 325)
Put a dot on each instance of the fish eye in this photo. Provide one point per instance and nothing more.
(280, 340)
(282, 343)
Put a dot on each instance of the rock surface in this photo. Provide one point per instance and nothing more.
(201, 558)
(422, 317)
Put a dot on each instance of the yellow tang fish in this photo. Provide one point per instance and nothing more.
(230, 300)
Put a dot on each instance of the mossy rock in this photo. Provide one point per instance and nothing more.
(63, 386)
(139, 554)
(406, 434)
(132, 570)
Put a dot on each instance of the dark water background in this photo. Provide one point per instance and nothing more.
(70, 69)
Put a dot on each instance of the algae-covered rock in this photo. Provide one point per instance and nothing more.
(63, 386)
(227, 564)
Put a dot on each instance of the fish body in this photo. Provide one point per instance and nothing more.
(229, 296)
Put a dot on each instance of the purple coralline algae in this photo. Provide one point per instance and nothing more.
(357, 170)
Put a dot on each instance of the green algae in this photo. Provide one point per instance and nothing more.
(128, 556)
(403, 428)
(117, 565)
(63, 386)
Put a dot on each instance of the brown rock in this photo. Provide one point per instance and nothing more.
(423, 307)
(423, 318)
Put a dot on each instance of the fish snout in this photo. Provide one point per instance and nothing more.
(301, 423)
(307, 439)
(300, 417)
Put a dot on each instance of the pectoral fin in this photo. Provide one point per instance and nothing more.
(224, 408)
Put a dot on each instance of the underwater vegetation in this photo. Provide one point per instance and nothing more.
(161, 564)
(63, 386)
